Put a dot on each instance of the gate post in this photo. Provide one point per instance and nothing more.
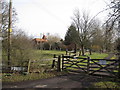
(88, 65)
(62, 61)
(59, 64)
(66, 52)
(119, 66)
(53, 64)
(28, 69)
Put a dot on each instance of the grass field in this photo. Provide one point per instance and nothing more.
(97, 55)
(46, 54)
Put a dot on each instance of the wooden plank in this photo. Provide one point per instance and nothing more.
(79, 68)
(81, 58)
(67, 66)
(102, 71)
(67, 56)
(104, 59)
(66, 63)
(97, 64)
(82, 65)
(113, 68)
(74, 64)
(71, 60)
(105, 67)
(77, 65)
(94, 67)
(66, 60)
(104, 75)
(84, 62)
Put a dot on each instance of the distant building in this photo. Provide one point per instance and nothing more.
(38, 42)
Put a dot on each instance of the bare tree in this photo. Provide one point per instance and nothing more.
(114, 18)
(5, 17)
(85, 26)
(52, 39)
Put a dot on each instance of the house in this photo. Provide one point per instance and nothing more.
(38, 42)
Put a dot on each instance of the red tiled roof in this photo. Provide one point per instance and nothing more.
(40, 40)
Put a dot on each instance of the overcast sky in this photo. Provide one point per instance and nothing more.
(52, 16)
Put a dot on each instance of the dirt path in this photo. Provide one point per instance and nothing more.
(71, 80)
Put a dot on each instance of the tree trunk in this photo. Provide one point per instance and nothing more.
(50, 47)
(82, 49)
(79, 52)
(90, 51)
(75, 49)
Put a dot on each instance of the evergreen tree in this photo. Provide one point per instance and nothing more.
(71, 36)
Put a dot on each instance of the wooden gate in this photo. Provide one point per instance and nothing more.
(103, 67)
(76, 64)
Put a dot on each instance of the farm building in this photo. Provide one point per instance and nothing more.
(38, 42)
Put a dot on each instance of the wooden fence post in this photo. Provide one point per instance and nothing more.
(119, 67)
(28, 69)
(88, 65)
(66, 52)
(53, 64)
(59, 64)
(62, 61)
(54, 56)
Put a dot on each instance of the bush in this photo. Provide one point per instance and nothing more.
(21, 46)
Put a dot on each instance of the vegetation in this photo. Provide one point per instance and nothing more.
(71, 36)
(106, 84)
(32, 76)
(85, 32)
(46, 54)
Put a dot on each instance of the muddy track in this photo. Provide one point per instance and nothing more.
(71, 80)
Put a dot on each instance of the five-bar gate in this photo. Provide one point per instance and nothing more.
(103, 67)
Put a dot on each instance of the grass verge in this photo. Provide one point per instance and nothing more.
(107, 84)
(31, 76)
